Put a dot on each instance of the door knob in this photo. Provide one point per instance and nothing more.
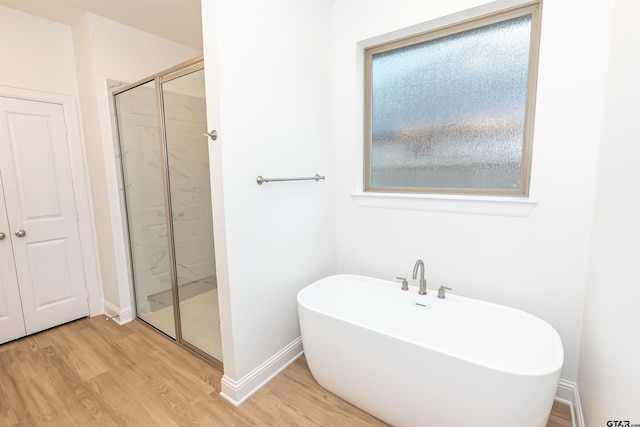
(21, 233)
(2, 235)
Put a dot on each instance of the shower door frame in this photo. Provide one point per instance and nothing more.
(182, 69)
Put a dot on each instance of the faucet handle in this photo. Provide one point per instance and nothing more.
(405, 284)
(441, 291)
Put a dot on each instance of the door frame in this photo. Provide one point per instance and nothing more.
(79, 172)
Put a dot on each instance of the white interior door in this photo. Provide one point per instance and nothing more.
(40, 205)
(11, 320)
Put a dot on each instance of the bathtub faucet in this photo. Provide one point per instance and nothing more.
(423, 282)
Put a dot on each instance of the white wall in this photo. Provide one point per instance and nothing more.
(609, 375)
(538, 262)
(36, 53)
(107, 50)
(275, 120)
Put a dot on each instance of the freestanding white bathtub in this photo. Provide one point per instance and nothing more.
(416, 360)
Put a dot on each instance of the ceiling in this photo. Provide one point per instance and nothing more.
(177, 20)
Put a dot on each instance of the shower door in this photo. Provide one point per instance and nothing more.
(190, 193)
(142, 160)
(165, 165)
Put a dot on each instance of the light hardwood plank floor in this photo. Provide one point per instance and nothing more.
(95, 373)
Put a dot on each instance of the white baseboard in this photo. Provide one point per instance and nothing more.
(578, 417)
(567, 393)
(237, 392)
(117, 314)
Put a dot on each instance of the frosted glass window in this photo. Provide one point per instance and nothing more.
(452, 113)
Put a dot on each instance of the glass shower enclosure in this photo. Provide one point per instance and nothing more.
(165, 173)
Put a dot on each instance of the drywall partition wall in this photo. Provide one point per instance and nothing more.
(90, 121)
(107, 50)
(608, 378)
(536, 262)
(210, 47)
(274, 60)
(36, 53)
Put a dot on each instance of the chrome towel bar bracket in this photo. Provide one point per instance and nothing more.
(260, 180)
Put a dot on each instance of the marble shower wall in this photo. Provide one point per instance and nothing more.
(185, 119)
(143, 168)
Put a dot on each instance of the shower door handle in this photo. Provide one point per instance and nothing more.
(213, 134)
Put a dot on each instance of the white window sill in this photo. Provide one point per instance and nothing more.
(475, 205)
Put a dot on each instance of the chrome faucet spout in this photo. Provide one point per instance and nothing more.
(423, 283)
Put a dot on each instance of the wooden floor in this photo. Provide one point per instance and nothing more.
(94, 372)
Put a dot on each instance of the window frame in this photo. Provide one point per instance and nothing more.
(535, 9)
